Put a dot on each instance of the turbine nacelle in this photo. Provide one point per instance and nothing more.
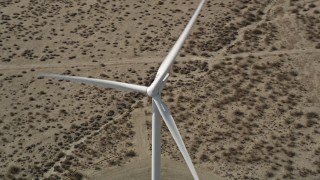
(155, 88)
(153, 91)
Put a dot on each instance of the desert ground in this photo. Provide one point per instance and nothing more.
(244, 91)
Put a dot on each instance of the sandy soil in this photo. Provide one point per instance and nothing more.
(244, 91)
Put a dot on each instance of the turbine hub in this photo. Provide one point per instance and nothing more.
(153, 91)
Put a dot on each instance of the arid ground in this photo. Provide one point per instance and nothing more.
(244, 91)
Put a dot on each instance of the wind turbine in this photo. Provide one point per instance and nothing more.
(158, 107)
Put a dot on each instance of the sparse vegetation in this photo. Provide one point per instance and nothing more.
(242, 92)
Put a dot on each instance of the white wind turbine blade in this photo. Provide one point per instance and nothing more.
(100, 82)
(168, 119)
(168, 61)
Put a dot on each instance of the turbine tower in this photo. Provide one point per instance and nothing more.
(158, 107)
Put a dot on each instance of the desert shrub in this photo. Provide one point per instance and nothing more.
(113, 162)
(14, 170)
(290, 153)
(170, 99)
(289, 168)
(63, 111)
(204, 158)
(273, 48)
(104, 75)
(42, 93)
(110, 113)
(257, 31)
(310, 123)
(312, 115)
(312, 5)
(182, 55)
(58, 169)
(238, 113)
(299, 126)
(61, 154)
(270, 174)
(76, 176)
(131, 153)
(217, 66)
(295, 11)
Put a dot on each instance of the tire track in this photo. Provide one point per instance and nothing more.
(219, 56)
(251, 26)
(83, 139)
(81, 64)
